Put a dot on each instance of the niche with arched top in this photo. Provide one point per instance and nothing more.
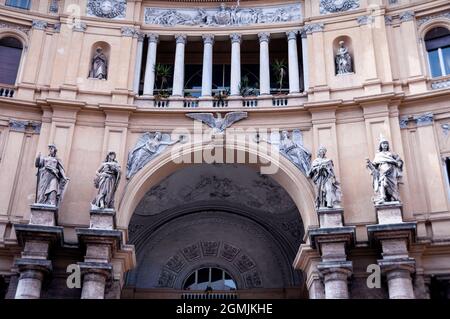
(98, 67)
(343, 56)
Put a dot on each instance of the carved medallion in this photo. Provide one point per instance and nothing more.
(332, 6)
(107, 8)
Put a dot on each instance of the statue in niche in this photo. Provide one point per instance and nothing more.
(386, 170)
(328, 191)
(147, 147)
(343, 60)
(291, 146)
(106, 181)
(51, 178)
(99, 65)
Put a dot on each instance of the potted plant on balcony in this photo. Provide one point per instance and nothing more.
(221, 96)
(279, 71)
(244, 88)
(163, 73)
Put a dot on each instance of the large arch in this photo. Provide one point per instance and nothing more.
(287, 175)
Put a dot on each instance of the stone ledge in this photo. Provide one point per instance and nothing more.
(100, 236)
(387, 231)
(24, 232)
(105, 269)
(406, 263)
(336, 266)
(33, 264)
(346, 233)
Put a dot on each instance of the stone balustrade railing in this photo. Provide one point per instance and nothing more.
(7, 91)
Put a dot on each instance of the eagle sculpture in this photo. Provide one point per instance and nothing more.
(219, 123)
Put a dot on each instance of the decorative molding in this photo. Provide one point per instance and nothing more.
(391, 2)
(235, 37)
(139, 35)
(388, 20)
(406, 16)
(181, 38)
(22, 126)
(127, 31)
(363, 20)
(79, 26)
(292, 35)
(416, 120)
(208, 38)
(54, 6)
(445, 128)
(333, 6)
(442, 15)
(57, 27)
(264, 36)
(153, 37)
(4, 25)
(111, 9)
(314, 27)
(223, 16)
(39, 24)
(442, 84)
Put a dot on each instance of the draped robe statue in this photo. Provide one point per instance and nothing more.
(99, 67)
(328, 191)
(386, 170)
(343, 60)
(51, 178)
(106, 181)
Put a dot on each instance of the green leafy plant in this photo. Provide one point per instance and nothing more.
(163, 72)
(280, 70)
(244, 88)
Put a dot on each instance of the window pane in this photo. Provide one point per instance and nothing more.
(190, 281)
(23, 4)
(446, 56)
(9, 64)
(203, 275)
(435, 66)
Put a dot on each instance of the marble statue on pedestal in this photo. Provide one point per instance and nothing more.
(328, 191)
(51, 178)
(106, 181)
(386, 170)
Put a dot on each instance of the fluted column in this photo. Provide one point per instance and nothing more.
(235, 63)
(264, 64)
(294, 78)
(149, 77)
(208, 41)
(178, 74)
(138, 64)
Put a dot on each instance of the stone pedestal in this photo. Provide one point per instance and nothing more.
(393, 236)
(37, 238)
(332, 239)
(102, 218)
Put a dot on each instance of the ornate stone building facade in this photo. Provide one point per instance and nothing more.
(249, 149)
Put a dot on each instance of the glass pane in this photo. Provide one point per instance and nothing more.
(446, 56)
(216, 274)
(203, 275)
(230, 284)
(23, 4)
(190, 281)
(435, 66)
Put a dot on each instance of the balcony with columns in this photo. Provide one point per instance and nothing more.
(262, 70)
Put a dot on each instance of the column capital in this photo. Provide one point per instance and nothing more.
(181, 38)
(292, 34)
(127, 31)
(208, 38)
(406, 16)
(39, 24)
(79, 26)
(264, 37)
(315, 27)
(152, 37)
(235, 37)
(139, 35)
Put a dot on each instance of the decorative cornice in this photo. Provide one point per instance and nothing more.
(417, 120)
(314, 27)
(264, 37)
(4, 25)
(443, 84)
(235, 37)
(127, 31)
(79, 26)
(292, 34)
(181, 38)
(442, 15)
(153, 37)
(208, 38)
(333, 6)
(406, 16)
(21, 126)
(39, 24)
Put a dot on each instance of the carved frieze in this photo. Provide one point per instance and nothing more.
(333, 6)
(223, 16)
(112, 9)
(4, 25)
(441, 15)
(229, 252)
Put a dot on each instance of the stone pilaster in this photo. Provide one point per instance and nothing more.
(37, 239)
(393, 236)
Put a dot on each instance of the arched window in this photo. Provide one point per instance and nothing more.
(208, 279)
(437, 43)
(10, 54)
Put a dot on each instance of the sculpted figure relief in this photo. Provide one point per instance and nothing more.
(106, 181)
(51, 178)
(147, 147)
(99, 67)
(386, 170)
(343, 60)
(328, 191)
